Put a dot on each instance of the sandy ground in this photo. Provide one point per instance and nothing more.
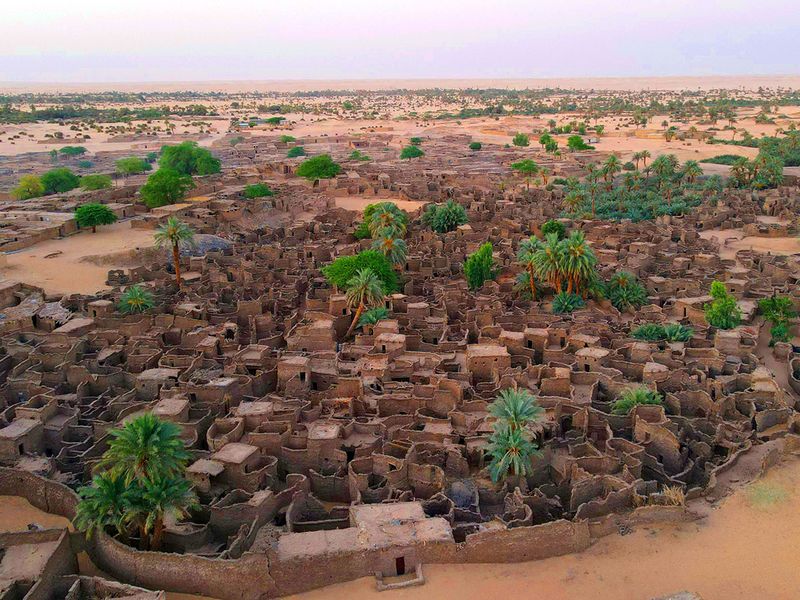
(736, 240)
(744, 550)
(68, 272)
(358, 203)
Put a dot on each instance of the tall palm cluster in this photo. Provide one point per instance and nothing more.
(364, 291)
(140, 483)
(387, 225)
(564, 265)
(662, 187)
(511, 446)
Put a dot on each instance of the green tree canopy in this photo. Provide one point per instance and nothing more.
(187, 158)
(521, 140)
(479, 266)
(342, 270)
(96, 182)
(58, 181)
(446, 217)
(723, 311)
(132, 165)
(411, 152)
(258, 190)
(319, 167)
(575, 143)
(29, 186)
(92, 215)
(165, 186)
(73, 150)
(295, 152)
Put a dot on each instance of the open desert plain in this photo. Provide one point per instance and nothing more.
(286, 317)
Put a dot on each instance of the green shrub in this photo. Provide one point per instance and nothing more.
(556, 227)
(649, 332)
(411, 152)
(319, 167)
(358, 155)
(287, 139)
(342, 270)
(675, 332)
(575, 143)
(479, 266)
(722, 312)
(373, 315)
(475, 146)
(565, 303)
(135, 299)
(624, 291)
(521, 140)
(633, 397)
(628, 166)
(58, 181)
(295, 152)
(85, 164)
(187, 158)
(721, 159)
(96, 182)
(362, 232)
(415, 141)
(258, 190)
(443, 218)
(29, 186)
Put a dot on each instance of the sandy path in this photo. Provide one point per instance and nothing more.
(745, 549)
(67, 273)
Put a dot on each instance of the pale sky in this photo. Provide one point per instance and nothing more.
(196, 40)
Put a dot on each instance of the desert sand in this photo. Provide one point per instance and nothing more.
(71, 271)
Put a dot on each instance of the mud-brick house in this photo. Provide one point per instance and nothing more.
(20, 437)
(485, 361)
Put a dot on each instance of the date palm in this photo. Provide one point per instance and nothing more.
(691, 170)
(526, 255)
(387, 218)
(510, 451)
(645, 154)
(574, 199)
(103, 505)
(144, 448)
(517, 408)
(364, 290)
(158, 498)
(172, 233)
(392, 247)
(579, 263)
(548, 261)
(611, 167)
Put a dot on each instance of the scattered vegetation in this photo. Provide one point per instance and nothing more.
(29, 186)
(778, 310)
(96, 182)
(411, 152)
(135, 299)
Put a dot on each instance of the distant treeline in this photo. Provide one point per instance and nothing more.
(9, 114)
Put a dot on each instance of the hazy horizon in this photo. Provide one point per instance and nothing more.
(245, 40)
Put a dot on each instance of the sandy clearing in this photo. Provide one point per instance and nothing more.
(67, 273)
(745, 549)
(358, 203)
(733, 240)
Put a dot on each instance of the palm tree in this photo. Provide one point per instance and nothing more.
(158, 498)
(644, 155)
(547, 261)
(637, 156)
(526, 255)
(104, 504)
(393, 248)
(387, 217)
(135, 299)
(574, 199)
(579, 263)
(364, 290)
(172, 233)
(145, 447)
(516, 407)
(691, 170)
(510, 450)
(611, 167)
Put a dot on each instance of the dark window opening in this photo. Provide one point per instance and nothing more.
(400, 565)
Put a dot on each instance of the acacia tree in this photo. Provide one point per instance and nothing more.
(93, 214)
(172, 233)
(527, 168)
(364, 290)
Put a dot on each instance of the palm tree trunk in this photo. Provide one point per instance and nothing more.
(158, 533)
(176, 259)
(356, 317)
(531, 282)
